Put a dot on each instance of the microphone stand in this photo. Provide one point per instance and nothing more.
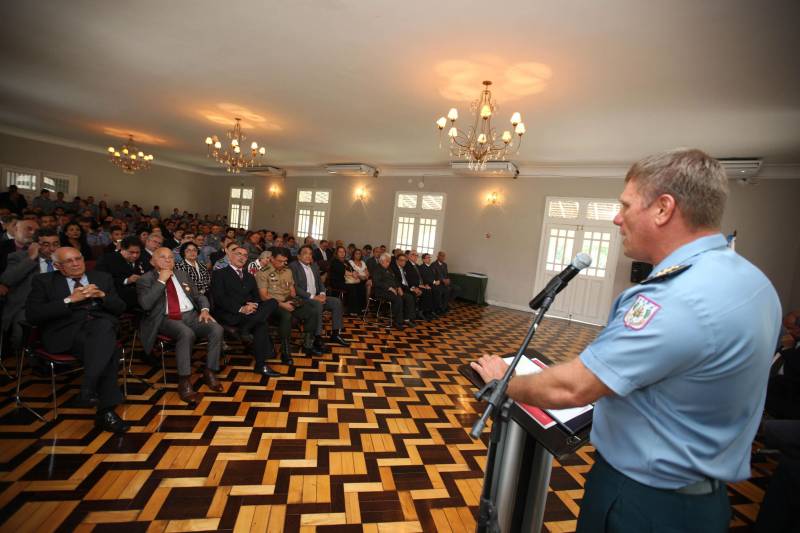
(498, 406)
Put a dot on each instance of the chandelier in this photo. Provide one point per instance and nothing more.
(232, 157)
(480, 144)
(129, 158)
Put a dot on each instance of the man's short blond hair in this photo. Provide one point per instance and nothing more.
(696, 180)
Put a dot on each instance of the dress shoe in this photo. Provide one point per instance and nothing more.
(211, 381)
(312, 351)
(319, 344)
(185, 390)
(109, 421)
(264, 370)
(336, 338)
(410, 323)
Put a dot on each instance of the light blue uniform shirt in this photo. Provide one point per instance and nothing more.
(688, 360)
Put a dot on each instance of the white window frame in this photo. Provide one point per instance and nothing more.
(314, 208)
(38, 181)
(239, 203)
(418, 213)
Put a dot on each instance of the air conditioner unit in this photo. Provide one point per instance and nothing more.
(267, 170)
(352, 169)
(492, 169)
(741, 168)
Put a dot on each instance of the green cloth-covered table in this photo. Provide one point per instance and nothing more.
(473, 288)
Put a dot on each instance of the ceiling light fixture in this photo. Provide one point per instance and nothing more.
(129, 158)
(480, 143)
(233, 156)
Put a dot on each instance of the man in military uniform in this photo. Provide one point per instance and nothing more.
(276, 282)
(679, 374)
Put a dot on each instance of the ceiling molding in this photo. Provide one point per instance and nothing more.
(88, 147)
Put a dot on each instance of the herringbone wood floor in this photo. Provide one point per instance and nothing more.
(368, 438)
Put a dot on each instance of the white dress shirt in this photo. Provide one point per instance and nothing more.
(310, 284)
(185, 302)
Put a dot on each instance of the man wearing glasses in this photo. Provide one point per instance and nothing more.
(76, 312)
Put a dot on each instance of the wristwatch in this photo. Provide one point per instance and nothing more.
(67, 300)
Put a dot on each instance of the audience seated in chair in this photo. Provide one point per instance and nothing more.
(236, 302)
(125, 267)
(173, 306)
(276, 282)
(386, 287)
(431, 278)
(77, 312)
(309, 287)
(20, 271)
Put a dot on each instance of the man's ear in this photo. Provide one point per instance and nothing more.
(664, 208)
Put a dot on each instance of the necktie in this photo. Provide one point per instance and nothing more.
(173, 304)
(78, 283)
(49, 265)
(241, 274)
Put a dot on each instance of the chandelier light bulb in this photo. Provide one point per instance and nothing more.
(452, 132)
(262, 151)
(441, 123)
(218, 145)
(520, 129)
(117, 154)
(125, 151)
(111, 150)
(452, 114)
(506, 136)
(516, 118)
(209, 141)
(236, 149)
(254, 146)
(235, 142)
(133, 157)
(486, 111)
(482, 138)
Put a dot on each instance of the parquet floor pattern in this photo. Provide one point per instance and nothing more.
(370, 438)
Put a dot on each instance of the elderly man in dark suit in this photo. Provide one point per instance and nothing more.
(386, 287)
(421, 290)
(174, 307)
(430, 277)
(126, 268)
(443, 275)
(238, 303)
(309, 287)
(22, 267)
(77, 312)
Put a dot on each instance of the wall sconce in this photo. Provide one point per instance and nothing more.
(361, 194)
(492, 199)
(274, 191)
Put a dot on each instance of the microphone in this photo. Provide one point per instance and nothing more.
(561, 280)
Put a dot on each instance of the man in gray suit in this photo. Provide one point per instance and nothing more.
(22, 267)
(310, 288)
(174, 307)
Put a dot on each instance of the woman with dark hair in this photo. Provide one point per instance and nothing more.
(193, 268)
(102, 210)
(74, 236)
(357, 285)
(342, 279)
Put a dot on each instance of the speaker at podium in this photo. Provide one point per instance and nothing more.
(530, 439)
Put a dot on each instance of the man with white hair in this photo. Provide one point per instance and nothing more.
(76, 312)
(262, 262)
(386, 287)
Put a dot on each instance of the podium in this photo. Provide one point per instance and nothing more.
(524, 461)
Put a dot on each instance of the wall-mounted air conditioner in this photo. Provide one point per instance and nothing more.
(352, 169)
(740, 167)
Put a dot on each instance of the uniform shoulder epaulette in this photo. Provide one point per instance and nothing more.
(667, 273)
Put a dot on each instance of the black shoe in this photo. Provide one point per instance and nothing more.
(319, 345)
(110, 421)
(312, 351)
(337, 338)
(264, 370)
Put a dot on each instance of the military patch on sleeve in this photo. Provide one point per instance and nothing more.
(641, 313)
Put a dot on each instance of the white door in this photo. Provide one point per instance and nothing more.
(588, 296)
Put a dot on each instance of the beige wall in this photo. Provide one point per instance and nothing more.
(764, 215)
(164, 186)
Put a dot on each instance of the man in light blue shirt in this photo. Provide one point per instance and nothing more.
(679, 374)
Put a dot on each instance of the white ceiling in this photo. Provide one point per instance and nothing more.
(348, 80)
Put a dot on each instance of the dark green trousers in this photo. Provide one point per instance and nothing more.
(614, 503)
(304, 313)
